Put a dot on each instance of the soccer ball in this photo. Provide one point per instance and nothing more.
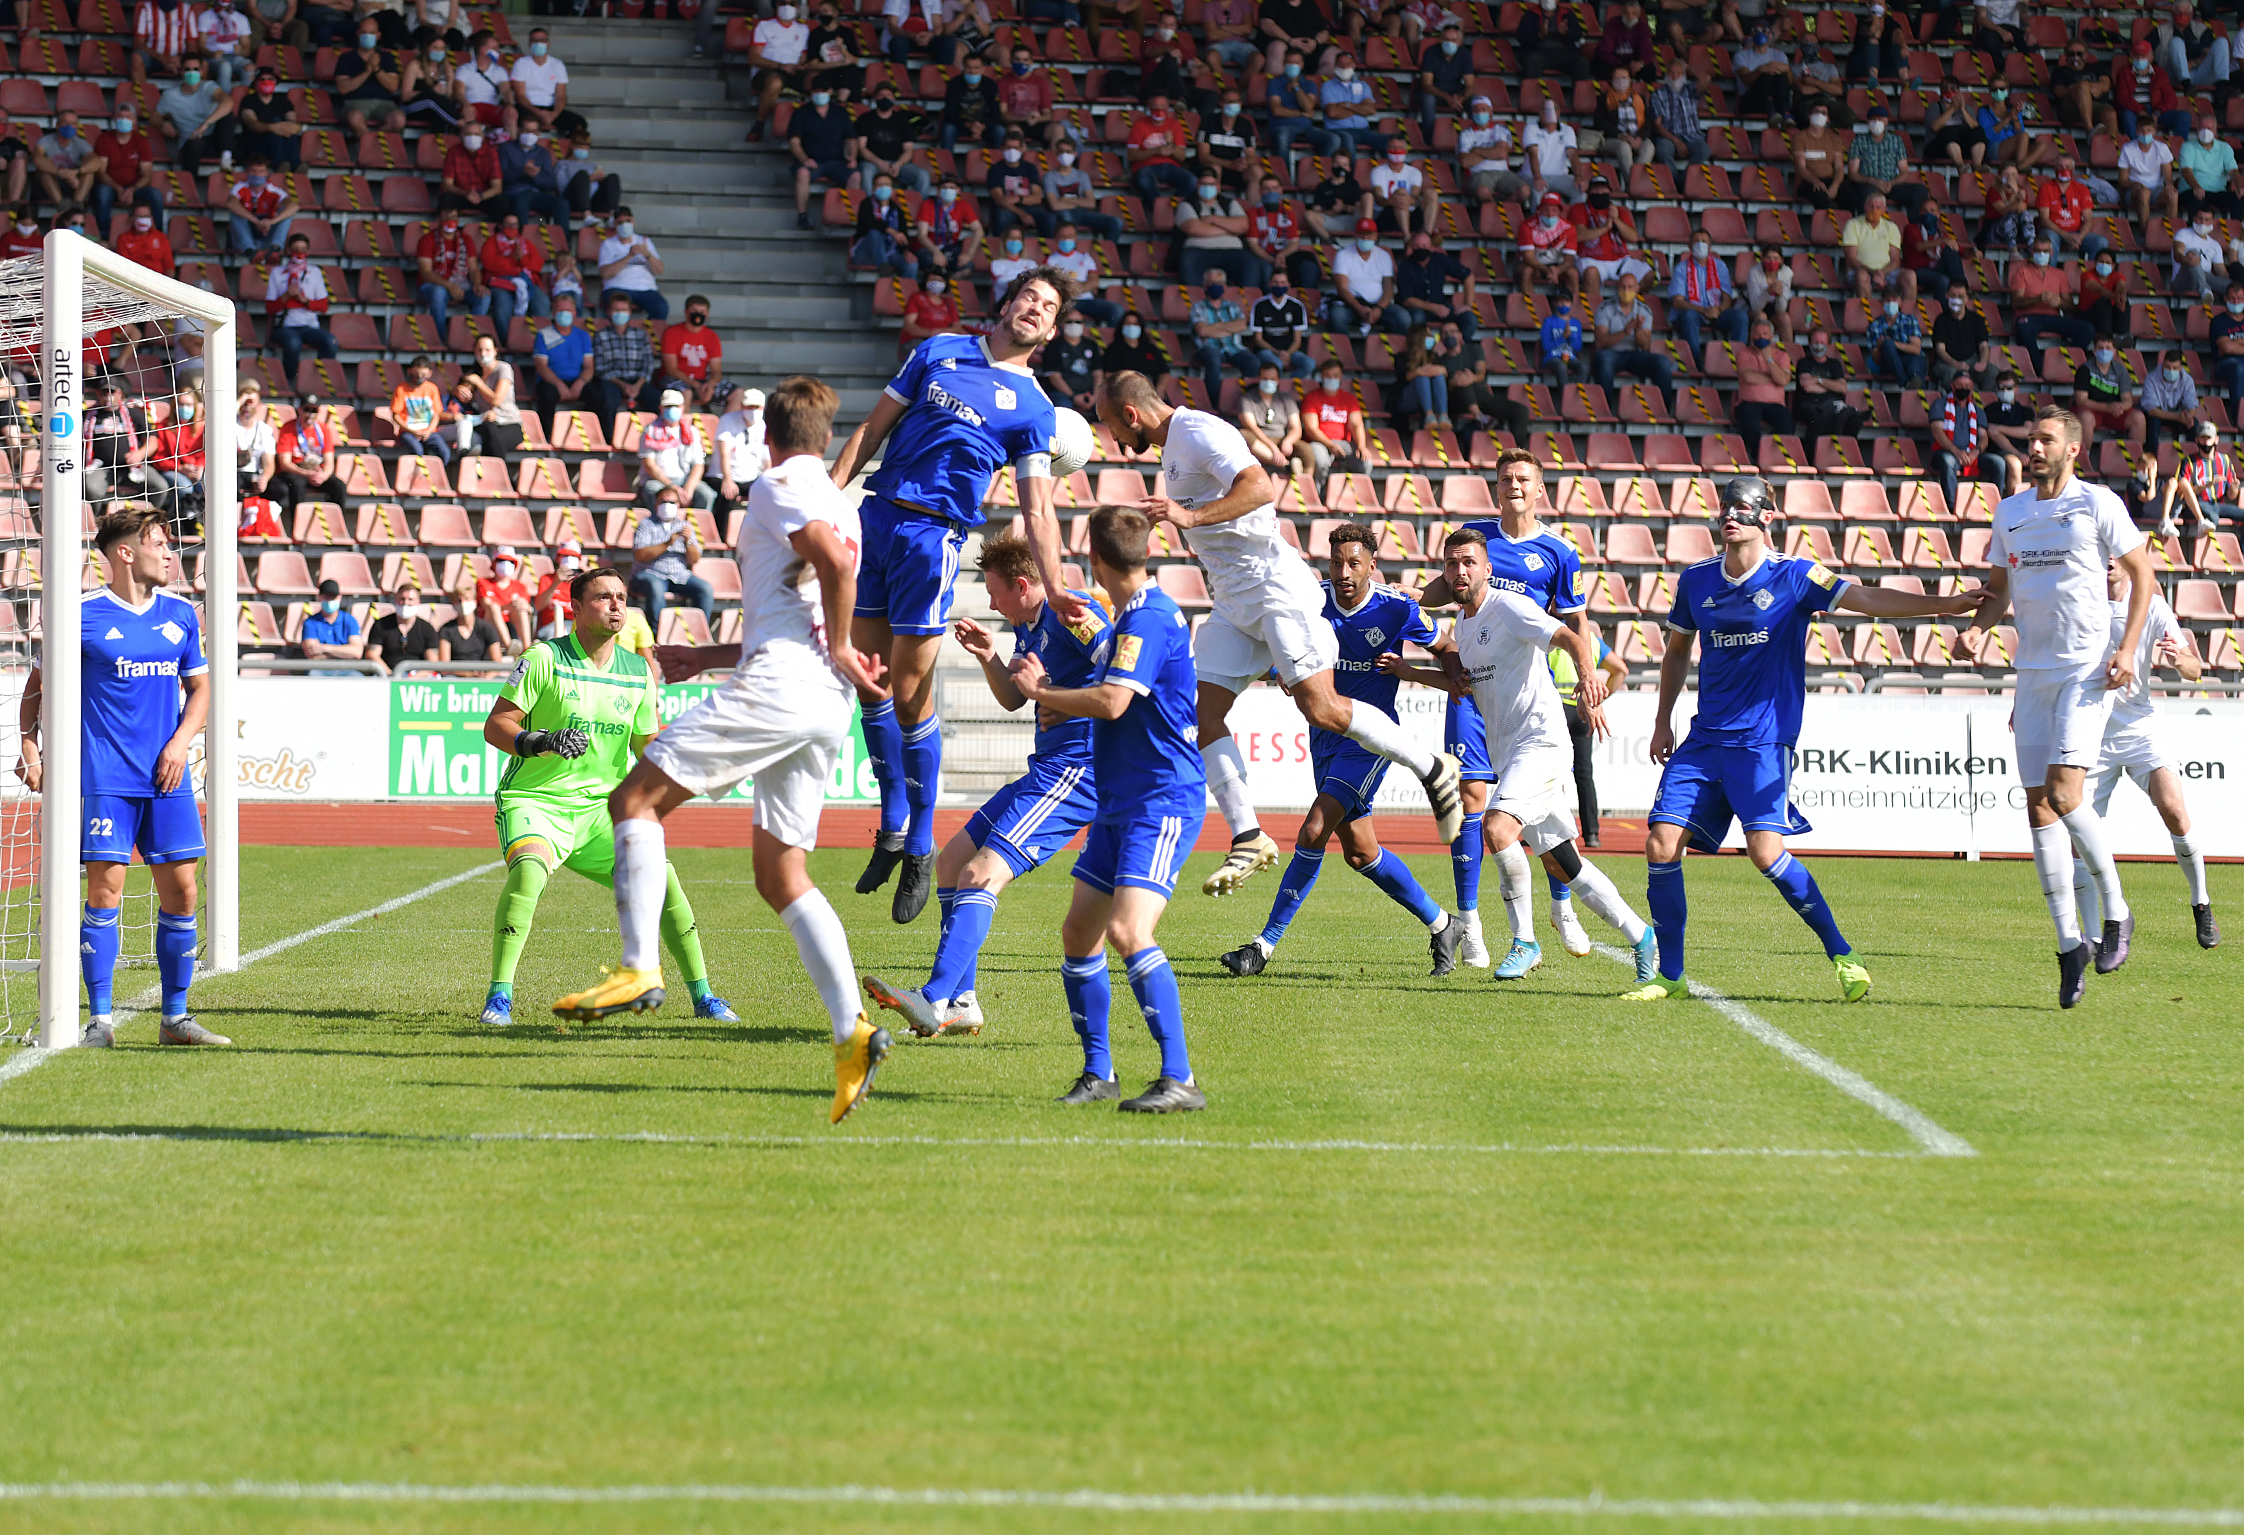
(1072, 443)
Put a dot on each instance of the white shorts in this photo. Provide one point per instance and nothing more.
(1617, 268)
(2058, 719)
(771, 723)
(1298, 643)
(2130, 751)
(1535, 787)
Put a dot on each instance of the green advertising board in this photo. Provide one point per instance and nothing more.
(437, 750)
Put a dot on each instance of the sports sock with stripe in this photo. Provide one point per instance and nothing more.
(1393, 876)
(1671, 912)
(640, 874)
(1600, 895)
(682, 936)
(1227, 781)
(884, 744)
(1154, 984)
(510, 924)
(1376, 730)
(1464, 859)
(1515, 879)
(2053, 861)
(1301, 875)
(1805, 897)
(175, 959)
(972, 912)
(824, 948)
(1089, 995)
(98, 942)
(923, 775)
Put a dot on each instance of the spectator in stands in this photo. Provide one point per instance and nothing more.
(2205, 482)
(1274, 240)
(1878, 166)
(1677, 133)
(296, 294)
(1422, 380)
(585, 187)
(305, 455)
(932, 311)
(469, 636)
(2227, 333)
(2010, 422)
(486, 95)
(1816, 83)
(1270, 419)
(550, 607)
(276, 24)
(949, 229)
(1070, 196)
(1872, 242)
(2104, 397)
(1764, 77)
(1016, 192)
(267, 124)
(1474, 404)
(1960, 441)
(1605, 234)
(2199, 267)
(1819, 393)
(450, 272)
(118, 443)
(1445, 77)
(1025, 100)
(419, 411)
(1624, 342)
(664, 547)
(439, 20)
(490, 420)
(1015, 263)
(823, 141)
(909, 26)
(1337, 203)
(1434, 287)
(531, 179)
(1484, 156)
(1552, 147)
(368, 80)
(1400, 190)
(693, 357)
(1293, 30)
(224, 34)
(1819, 162)
(1229, 30)
(2002, 123)
(1927, 254)
(1169, 64)
(1344, 97)
(742, 453)
(2207, 173)
(1068, 367)
(65, 160)
(127, 170)
(431, 88)
(2194, 54)
(1626, 42)
(1895, 341)
(541, 89)
(2042, 299)
(471, 177)
(834, 57)
(1157, 137)
(1547, 250)
(1960, 342)
(1701, 295)
(2169, 400)
(143, 242)
(163, 34)
(1764, 285)
(174, 469)
(331, 633)
(2010, 223)
(1214, 228)
(2143, 94)
(15, 155)
(1134, 351)
(1549, 41)
(255, 444)
(2146, 167)
(629, 265)
(970, 109)
(775, 55)
(1228, 146)
(1882, 42)
(259, 210)
(888, 144)
(1362, 297)
(671, 457)
(882, 239)
(2103, 295)
(1296, 110)
(1333, 422)
(326, 21)
(1219, 333)
(2082, 92)
(562, 359)
(1280, 324)
(404, 634)
(502, 599)
(2065, 203)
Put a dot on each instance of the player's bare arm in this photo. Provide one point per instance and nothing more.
(2119, 671)
(979, 643)
(30, 770)
(1674, 667)
(1107, 701)
(171, 763)
(1994, 602)
(1249, 492)
(2183, 659)
(1394, 665)
(822, 545)
(866, 440)
(683, 663)
(1041, 525)
(1882, 602)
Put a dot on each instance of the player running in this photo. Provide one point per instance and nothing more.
(1268, 612)
(140, 650)
(2130, 750)
(961, 408)
(1152, 796)
(1501, 639)
(575, 713)
(1026, 823)
(780, 719)
(1749, 610)
(1370, 621)
(2046, 557)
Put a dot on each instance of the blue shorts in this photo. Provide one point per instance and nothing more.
(1704, 786)
(1351, 775)
(165, 827)
(907, 566)
(1143, 846)
(1464, 737)
(1029, 820)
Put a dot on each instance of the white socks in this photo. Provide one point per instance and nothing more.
(1516, 879)
(1377, 731)
(2087, 828)
(824, 948)
(2085, 899)
(1227, 781)
(642, 879)
(1599, 895)
(2193, 868)
(2053, 861)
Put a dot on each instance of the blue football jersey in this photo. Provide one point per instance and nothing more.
(1385, 619)
(130, 699)
(965, 417)
(1542, 567)
(1753, 645)
(1070, 658)
(1151, 755)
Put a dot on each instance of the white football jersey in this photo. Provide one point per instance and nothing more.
(2056, 551)
(779, 593)
(1250, 569)
(2134, 706)
(1503, 644)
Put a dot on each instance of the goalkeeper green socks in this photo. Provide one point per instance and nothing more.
(510, 925)
(682, 938)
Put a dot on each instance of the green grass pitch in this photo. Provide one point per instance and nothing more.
(299, 1264)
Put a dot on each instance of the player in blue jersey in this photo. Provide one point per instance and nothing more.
(1153, 792)
(1370, 621)
(1749, 610)
(960, 410)
(144, 693)
(1026, 823)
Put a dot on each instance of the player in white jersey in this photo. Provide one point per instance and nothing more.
(1502, 641)
(1269, 612)
(2131, 751)
(780, 719)
(2047, 556)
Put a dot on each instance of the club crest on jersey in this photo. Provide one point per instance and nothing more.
(171, 631)
(1533, 561)
(1762, 599)
(1374, 636)
(1006, 398)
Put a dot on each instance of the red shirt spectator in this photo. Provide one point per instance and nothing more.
(1021, 97)
(1273, 228)
(1164, 133)
(2151, 91)
(699, 351)
(2098, 288)
(125, 155)
(930, 311)
(471, 173)
(260, 518)
(2065, 204)
(263, 202)
(180, 446)
(21, 240)
(514, 255)
(503, 593)
(1330, 410)
(145, 243)
(161, 31)
(447, 250)
(1613, 244)
(1564, 236)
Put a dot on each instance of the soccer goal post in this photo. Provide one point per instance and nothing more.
(73, 294)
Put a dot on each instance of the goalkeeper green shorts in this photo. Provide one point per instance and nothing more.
(558, 834)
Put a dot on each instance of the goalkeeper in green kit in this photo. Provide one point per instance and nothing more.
(574, 716)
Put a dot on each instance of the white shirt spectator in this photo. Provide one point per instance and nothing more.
(223, 29)
(1005, 268)
(2208, 247)
(1366, 275)
(254, 442)
(1076, 263)
(539, 77)
(310, 283)
(1386, 179)
(782, 42)
(481, 85)
(636, 277)
(780, 596)
(674, 449)
(741, 451)
(1488, 148)
(2143, 162)
(1548, 146)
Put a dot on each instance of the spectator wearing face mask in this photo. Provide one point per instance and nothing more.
(1270, 419)
(1230, 147)
(224, 35)
(432, 88)
(2200, 269)
(541, 89)
(490, 421)
(269, 125)
(1421, 391)
(562, 362)
(418, 411)
(1294, 109)
(471, 178)
(1219, 333)
(1133, 350)
(1605, 240)
(514, 273)
(469, 636)
(2064, 203)
(1070, 196)
(1157, 139)
(138, 239)
(2205, 483)
(1872, 242)
(255, 446)
(296, 298)
(1559, 344)
(331, 633)
(1764, 77)
(1817, 85)
(486, 94)
(1960, 443)
(502, 600)
(585, 186)
(776, 50)
(403, 635)
(2193, 53)
(693, 357)
(1485, 151)
(2042, 299)
(1878, 166)
(259, 210)
(369, 80)
(550, 606)
(1169, 64)
(1215, 228)
(1068, 255)
(931, 311)
(1895, 342)
(1015, 262)
(1016, 193)
(1274, 239)
(2169, 401)
(2002, 123)
(888, 144)
(2143, 95)
(1552, 147)
(65, 160)
(1819, 162)
(1362, 296)
(823, 141)
(2207, 174)
(532, 181)
(1332, 419)
(1700, 295)
(127, 173)
(1549, 41)
(2228, 343)
(1623, 327)
(2010, 422)
(629, 265)
(1548, 246)
(1445, 78)
(2104, 289)
(305, 456)
(2147, 175)
(1337, 202)
(948, 232)
(970, 109)
(1881, 45)
(1025, 99)
(1763, 280)
(742, 453)
(1960, 342)
(174, 470)
(1819, 394)
(198, 116)
(2104, 397)
(1279, 324)
(1401, 192)
(1764, 384)
(1434, 287)
(1931, 257)
(1069, 367)
(450, 272)
(671, 457)
(664, 547)
(882, 241)
(1624, 116)
(1678, 137)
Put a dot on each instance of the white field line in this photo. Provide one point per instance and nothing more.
(1913, 1122)
(1730, 1509)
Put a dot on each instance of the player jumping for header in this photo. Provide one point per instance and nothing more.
(961, 409)
(1749, 610)
(1269, 612)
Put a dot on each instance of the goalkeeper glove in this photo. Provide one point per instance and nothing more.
(570, 743)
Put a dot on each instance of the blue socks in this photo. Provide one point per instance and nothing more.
(884, 743)
(1464, 857)
(175, 959)
(922, 754)
(1155, 986)
(1301, 874)
(964, 931)
(1560, 890)
(1663, 893)
(1088, 997)
(1798, 887)
(98, 942)
(1392, 875)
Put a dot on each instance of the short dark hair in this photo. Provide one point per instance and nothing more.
(1120, 536)
(581, 582)
(1459, 537)
(1009, 558)
(1354, 533)
(799, 416)
(420, 361)
(1063, 287)
(2067, 422)
(1511, 456)
(125, 523)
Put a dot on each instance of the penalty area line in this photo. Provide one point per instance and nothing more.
(1594, 1506)
(1919, 1127)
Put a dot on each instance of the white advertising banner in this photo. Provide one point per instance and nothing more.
(313, 738)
